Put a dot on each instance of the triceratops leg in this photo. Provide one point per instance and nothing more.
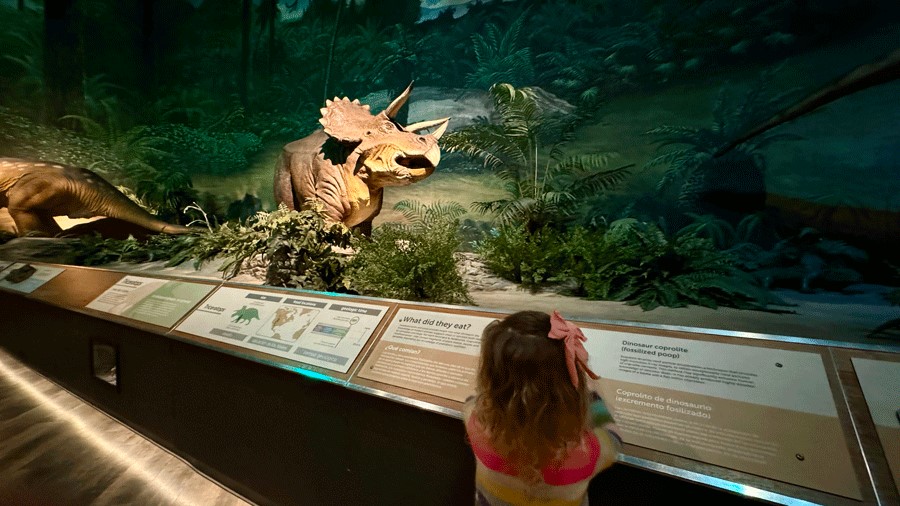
(364, 228)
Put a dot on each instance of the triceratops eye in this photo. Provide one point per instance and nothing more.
(387, 127)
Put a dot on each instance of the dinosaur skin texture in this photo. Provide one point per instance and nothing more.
(33, 192)
(345, 166)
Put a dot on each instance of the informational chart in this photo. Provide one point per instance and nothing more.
(26, 278)
(880, 383)
(151, 300)
(324, 333)
(429, 352)
(763, 411)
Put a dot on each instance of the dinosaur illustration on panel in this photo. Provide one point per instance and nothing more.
(33, 192)
(346, 164)
(245, 315)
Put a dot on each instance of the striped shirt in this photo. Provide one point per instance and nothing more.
(564, 482)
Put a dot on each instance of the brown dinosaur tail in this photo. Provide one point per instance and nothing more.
(103, 199)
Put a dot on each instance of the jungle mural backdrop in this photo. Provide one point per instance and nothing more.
(655, 152)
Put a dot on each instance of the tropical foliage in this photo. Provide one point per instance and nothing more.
(296, 248)
(525, 257)
(695, 175)
(414, 260)
(638, 263)
(808, 261)
(525, 149)
(500, 56)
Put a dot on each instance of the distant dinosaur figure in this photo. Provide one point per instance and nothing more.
(346, 164)
(33, 192)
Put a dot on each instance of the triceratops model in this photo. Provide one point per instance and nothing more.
(346, 165)
(33, 192)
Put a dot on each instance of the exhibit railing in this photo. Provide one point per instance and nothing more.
(781, 419)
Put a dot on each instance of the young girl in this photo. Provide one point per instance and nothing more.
(530, 424)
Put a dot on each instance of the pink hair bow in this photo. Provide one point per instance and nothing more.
(576, 355)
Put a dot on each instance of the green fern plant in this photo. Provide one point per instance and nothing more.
(135, 147)
(696, 175)
(525, 150)
(808, 261)
(298, 249)
(414, 260)
(499, 57)
(641, 265)
(529, 258)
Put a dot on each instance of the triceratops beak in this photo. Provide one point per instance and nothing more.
(423, 125)
(392, 110)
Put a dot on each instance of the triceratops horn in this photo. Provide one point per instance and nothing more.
(441, 129)
(392, 110)
(422, 125)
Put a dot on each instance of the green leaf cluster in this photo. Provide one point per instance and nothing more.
(414, 260)
(630, 261)
(97, 250)
(499, 57)
(543, 185)
(692, 166)
(808, 261)
(297, 248)
(22, 137)
(200, 151)
(514, 253)
(638, 263)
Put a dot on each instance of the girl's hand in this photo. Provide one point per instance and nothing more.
(600, 414)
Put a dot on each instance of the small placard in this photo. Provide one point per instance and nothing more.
(26, 278)
(764, 411)
(328, 334)
(151, 300)
(429, 352)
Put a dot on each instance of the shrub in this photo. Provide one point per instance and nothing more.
(636, 262)
(297, 248)
(199, 151)
(513, 253)
(414, 261)
(809, 260)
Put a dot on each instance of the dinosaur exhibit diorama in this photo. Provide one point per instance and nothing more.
(33, 192)
(716, 207)
(347, 164)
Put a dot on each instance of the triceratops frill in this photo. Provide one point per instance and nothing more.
(345, 165)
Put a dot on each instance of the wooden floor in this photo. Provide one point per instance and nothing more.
(57, 450)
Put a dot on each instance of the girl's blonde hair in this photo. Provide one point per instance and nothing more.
(525, 398)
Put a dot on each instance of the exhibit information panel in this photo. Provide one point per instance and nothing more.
(26, 278)
(428, 352)
(763, 411)
(151, 300)
(880, 383)
(319, 332)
